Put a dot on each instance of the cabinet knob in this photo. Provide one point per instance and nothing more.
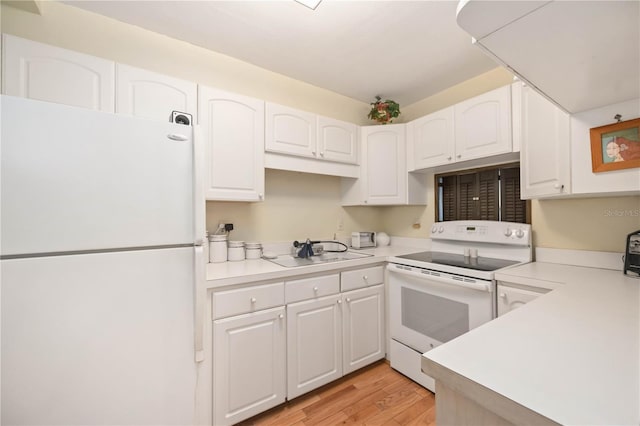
(459, 155)
(503, 296)
(261, 196)
(339, 301)
(348, 300)
(253, 300)
(314, 153)
(558, 186)
(321, 154)
(281, 316)
(365, 201)
(315, 289)
(365, 278)
(449, 158)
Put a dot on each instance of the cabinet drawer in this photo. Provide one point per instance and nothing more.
(362, 278)
(308, 288)
(249, 299)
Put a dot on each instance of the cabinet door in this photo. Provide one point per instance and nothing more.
(384, 164)
(430, 140)
(363, 327)
(290, 131)
(233, 129)
(147, 94)
(48, 73)
(249, 365)
(314, 344)
(483, 125)
(337, 140)
(545, 150)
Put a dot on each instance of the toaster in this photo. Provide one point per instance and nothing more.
(361, 240)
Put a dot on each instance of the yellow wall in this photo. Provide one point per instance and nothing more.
(585, 223)
(298, 205)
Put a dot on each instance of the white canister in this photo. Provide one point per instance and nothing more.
(235, 251)
(217, 248)
(253, 250)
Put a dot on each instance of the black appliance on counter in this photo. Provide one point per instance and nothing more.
(632, 255)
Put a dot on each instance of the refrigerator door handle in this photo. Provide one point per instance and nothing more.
(200, 295)
(199, 204)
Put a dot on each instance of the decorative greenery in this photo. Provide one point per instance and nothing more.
(384, 111)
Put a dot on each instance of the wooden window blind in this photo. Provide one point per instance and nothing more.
(484, 194)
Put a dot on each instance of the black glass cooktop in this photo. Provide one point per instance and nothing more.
(477, 263)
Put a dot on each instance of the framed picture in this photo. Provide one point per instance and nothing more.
(616, 146)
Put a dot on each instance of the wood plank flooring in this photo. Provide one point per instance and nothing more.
(374, 395)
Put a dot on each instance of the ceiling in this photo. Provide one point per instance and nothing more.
(401, 50)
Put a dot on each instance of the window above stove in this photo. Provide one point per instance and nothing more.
(490, 193)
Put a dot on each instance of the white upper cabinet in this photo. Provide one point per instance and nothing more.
(290, 131)
(545, 161)
(384, 179)
(147, 94)
(384, 165)
(430, 140)
(48, 73)
(233, 129)
(337, 140)
(299, 133)
(483, 125)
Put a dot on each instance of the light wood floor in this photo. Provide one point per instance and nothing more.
(375, 395)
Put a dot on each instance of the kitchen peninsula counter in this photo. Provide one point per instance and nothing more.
(233, 273)
(569, 357)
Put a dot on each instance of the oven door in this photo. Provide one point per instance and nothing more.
(428, 308)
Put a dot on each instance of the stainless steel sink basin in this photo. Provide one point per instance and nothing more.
(289, 261)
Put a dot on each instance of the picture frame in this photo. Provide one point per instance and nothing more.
(615, 146)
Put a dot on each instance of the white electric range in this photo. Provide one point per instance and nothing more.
(438, 295)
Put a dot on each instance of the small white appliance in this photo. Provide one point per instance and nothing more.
(360, 240)
(102, 258)
(438, 295)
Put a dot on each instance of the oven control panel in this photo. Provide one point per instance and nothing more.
(483, 231)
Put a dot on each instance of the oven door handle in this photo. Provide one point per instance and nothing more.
(480, 286)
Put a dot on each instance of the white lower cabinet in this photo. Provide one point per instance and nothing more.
(362, 327)
(314, 344)
(249, 351)
(249, 368)
(265, 353)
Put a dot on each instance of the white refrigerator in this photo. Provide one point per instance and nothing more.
(102, 266)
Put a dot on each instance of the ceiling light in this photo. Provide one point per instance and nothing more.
(311, 4)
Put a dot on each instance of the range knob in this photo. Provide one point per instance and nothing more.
(434, 229)
(519, 233)
(440, 229)
(508, 232)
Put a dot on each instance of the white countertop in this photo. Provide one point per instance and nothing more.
(572, 355)
(232, 273)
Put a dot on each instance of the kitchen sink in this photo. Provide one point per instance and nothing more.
(289, 261)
